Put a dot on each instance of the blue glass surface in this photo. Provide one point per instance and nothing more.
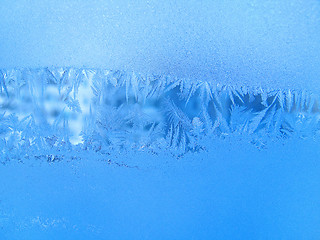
(159, 119)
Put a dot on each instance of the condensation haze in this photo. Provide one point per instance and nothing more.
(269, 43)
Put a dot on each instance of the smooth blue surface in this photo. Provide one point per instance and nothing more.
(233, 192)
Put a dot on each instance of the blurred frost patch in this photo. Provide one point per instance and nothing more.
(56, 113)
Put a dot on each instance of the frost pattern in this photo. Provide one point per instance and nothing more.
(53, 113)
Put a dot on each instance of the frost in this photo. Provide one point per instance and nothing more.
(56, 113)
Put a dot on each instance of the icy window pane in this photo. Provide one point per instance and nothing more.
(159, 119)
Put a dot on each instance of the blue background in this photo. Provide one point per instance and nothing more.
(232, 191)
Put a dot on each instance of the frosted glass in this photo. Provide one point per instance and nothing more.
(274, 43)
(159, 119)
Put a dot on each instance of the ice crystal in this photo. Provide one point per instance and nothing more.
(55, 112)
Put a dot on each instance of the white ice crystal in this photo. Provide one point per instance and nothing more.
(46, 110)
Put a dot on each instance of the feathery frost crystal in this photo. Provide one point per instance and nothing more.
(53, 113)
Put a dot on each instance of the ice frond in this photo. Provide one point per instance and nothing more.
(48, 109)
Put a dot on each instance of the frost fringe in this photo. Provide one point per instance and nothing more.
(117, 110)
